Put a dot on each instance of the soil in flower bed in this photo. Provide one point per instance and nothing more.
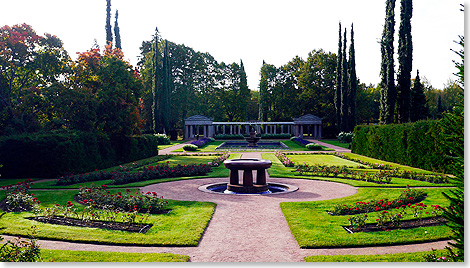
(407, 224)
(119, 226)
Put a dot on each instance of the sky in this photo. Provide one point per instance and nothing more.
(253, 30)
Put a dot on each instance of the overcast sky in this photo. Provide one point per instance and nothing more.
(253, 30)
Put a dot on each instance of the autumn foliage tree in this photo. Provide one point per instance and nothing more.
(29, 64)
(112, 88)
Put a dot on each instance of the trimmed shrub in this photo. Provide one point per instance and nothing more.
(276, 136)
(313, 146)
(190, 147)
(229, 137)
(344, 137)
(417, 144)
(162, 139)
(48, 155)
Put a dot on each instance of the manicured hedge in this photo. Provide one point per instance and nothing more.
(416, 144)
(48, 155)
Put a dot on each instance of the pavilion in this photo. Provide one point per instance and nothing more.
(306, 125)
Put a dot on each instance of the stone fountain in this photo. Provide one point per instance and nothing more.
(252, 139)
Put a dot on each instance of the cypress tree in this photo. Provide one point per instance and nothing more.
(109, 33)
(405, 59)
(165, 92)
(263, 91)
(245, 93)
(440, 109)
(117, 33)
(419, 109)
(388, 92)
(352, 84)
(339, 73)
(155, 83)
(344, 88)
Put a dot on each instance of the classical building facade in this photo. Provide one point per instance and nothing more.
(202, 126)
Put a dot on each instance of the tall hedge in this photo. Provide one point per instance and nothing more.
(417, 144)
(49, 155)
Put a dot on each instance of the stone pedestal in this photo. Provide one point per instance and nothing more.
(247, 165)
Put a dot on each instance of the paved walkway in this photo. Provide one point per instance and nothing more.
(247, 228)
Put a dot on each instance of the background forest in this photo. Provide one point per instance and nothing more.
(43, 89)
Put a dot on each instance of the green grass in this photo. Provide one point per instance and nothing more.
(280, 171)
(173, 143)
(183, 226)
(217, 172)
(394, 165)
(397, 257)
(48, 255)
(312, 227)
(208, 148)
(336, 143)
(322, 159)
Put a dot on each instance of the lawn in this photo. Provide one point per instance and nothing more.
(173, 143)
(313, 227)
(322, 159)
(183, 226)
(279, 170)
(49, 255)
(397, 257)
(336, 143)
(220, 171)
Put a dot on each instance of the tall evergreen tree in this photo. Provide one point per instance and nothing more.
(339, 72)
(263, 93)
(405, 59)
(165, 107)
(388, 92)
(109, 33)
(155, 82)
(245, 93)
(117, 34)
(344, 87)
(352, 84)
(419, 109)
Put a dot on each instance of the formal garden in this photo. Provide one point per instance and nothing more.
(102, 161)
(394, 205)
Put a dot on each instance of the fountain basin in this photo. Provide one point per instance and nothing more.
(265, 145)
(273, 188)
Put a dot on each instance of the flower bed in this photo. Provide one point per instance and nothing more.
(433, 178)
(202, 142)
(407, 198)
(102, 209)
(150, 172)
(286, 161)
(164, 171)
(18, 198)
(99, 197)
(346, 173)
(219, 160)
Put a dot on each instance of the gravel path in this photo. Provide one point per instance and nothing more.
(247, 228)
